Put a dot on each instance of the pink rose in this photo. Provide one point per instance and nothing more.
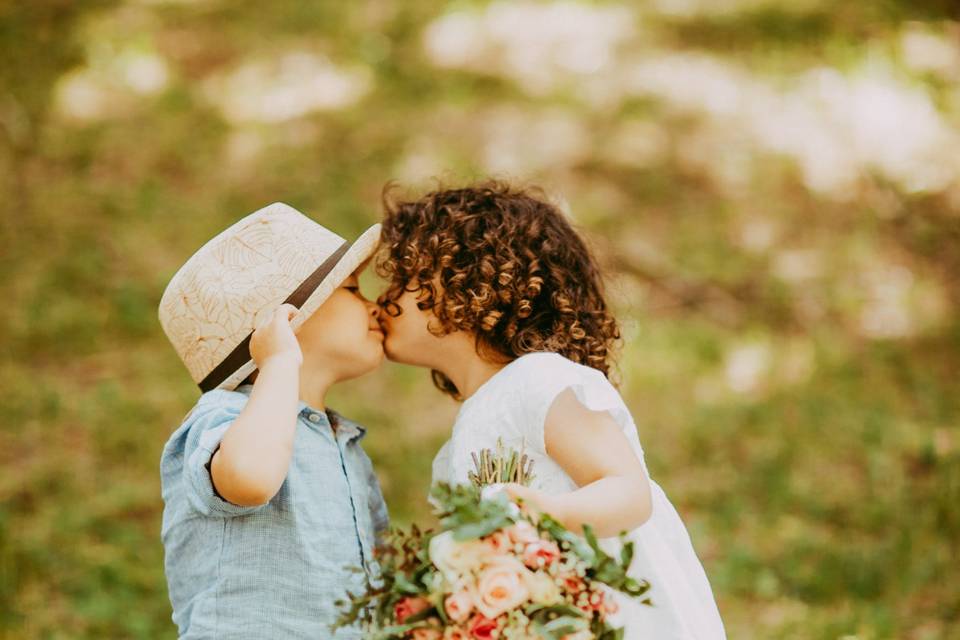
(523, 532)
(482, 628)
(501, 586)
(408, 607)
(540, 553)
(459, 606)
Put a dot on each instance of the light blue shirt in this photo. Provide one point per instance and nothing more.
(275, 570)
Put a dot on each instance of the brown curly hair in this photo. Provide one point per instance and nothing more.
(503, 263)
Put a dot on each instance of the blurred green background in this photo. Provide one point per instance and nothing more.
(773, 186)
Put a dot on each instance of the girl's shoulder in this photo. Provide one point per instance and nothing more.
(536, 379)
(544, 376)
(548, 370)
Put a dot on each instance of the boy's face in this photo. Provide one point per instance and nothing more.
(408, 338)
(344, 335)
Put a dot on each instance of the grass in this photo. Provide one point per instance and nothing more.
(821, 490)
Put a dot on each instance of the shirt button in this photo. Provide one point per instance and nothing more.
(314, 417)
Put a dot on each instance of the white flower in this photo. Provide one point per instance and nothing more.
(543, 589)
(454, 558)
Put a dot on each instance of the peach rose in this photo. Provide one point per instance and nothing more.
(540, 553)
(459, 605)
(408, 607)
(502, 585)
(583, 634)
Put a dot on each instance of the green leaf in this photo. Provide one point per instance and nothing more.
(542, 611)
(577, 544)
(565, 625)
(405, 586)
(626, 554)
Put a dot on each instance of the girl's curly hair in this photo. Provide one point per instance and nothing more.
(503, 263)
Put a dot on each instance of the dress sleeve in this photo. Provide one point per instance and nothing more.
(207, 425)
(546, 375)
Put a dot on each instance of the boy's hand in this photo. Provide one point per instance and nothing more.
(254, 456)
(275, 338)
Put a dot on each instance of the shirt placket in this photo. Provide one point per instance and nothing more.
(343, 439)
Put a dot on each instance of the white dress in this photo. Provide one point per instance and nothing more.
(512, 406)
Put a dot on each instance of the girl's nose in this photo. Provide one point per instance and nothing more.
(375, 310)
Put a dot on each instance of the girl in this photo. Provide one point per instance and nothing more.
(492, 289)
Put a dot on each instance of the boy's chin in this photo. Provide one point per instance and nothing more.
(366, 363)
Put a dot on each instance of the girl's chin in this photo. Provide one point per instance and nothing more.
(401, 356)
(389, 348)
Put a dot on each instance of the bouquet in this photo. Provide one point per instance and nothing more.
(492, 571)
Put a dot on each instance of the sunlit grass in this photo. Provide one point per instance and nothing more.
(791, 348)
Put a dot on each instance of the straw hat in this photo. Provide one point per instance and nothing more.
(238, 279)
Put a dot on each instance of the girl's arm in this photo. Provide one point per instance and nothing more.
(254, 455)
(614, 493)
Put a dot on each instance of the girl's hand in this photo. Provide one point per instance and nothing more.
(613, 493)
(531, 500)
(275, 338)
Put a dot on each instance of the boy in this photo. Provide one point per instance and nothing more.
(269, 499)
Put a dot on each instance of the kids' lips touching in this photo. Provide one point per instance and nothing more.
(377, 328)
(380, 323)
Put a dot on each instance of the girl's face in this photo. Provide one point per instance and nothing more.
(343, 336)
(408, 339)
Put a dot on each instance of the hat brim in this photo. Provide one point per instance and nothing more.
(358, 253)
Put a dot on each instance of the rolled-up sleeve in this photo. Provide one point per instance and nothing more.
(206, 426)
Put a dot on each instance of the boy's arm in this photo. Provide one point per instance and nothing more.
(254, 455)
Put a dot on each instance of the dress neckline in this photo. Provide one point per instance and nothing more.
(489, 382)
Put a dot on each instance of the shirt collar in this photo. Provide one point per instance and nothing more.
(348, 427)
(351, 429)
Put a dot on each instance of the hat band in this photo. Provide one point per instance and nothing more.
(241, 353)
